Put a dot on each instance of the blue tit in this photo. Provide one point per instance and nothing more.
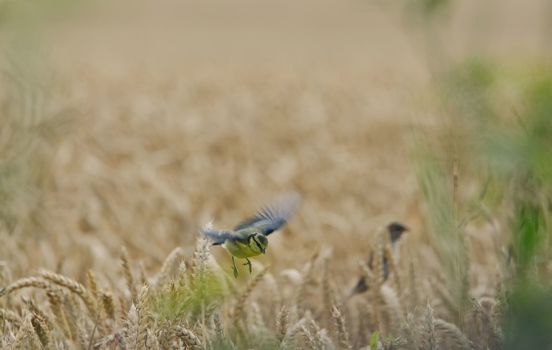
(395, 230)
(250, 237)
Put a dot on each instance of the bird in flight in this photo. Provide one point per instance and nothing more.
(249, 237)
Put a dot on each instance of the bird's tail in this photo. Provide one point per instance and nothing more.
(218, 237)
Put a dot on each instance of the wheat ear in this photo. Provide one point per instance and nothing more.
(24, 283)
(342, 334)
(453, 333)
(74, 287)
(170, 265)
(428, 338)
(42, 331)
(190, 340)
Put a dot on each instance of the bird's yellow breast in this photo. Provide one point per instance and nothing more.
(241, 250)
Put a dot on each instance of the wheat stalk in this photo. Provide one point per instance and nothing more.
(445, 297)
(217, 325)
(239, 309)
(255, 318)
(125, 263)
(392, 307)
(25, 337)
(413, 298)
(306, 282)
(363, 323)
(378, 277)
(92, 284)
(70, 307)
(108, 304)
(328, 297)
(10, 316)
(392, 266)
(55, 301)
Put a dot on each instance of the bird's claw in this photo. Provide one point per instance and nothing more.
(234, 268)
(248, 264)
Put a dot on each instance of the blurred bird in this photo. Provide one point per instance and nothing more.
(395, 231)
(249, 237)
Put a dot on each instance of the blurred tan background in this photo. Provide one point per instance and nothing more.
(168, 114)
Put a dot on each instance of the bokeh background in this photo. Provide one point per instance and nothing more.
(134, 123)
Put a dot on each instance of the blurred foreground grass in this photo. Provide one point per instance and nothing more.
(501, 125)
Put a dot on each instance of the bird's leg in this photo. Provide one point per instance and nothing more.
(248, 263)
(234, 268)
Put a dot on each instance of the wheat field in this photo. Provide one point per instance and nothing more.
(126, 127)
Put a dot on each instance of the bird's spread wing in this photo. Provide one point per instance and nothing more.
(274, 216)
(218, 237)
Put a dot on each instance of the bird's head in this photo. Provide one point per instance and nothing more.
(258, 242)
(396, 230)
